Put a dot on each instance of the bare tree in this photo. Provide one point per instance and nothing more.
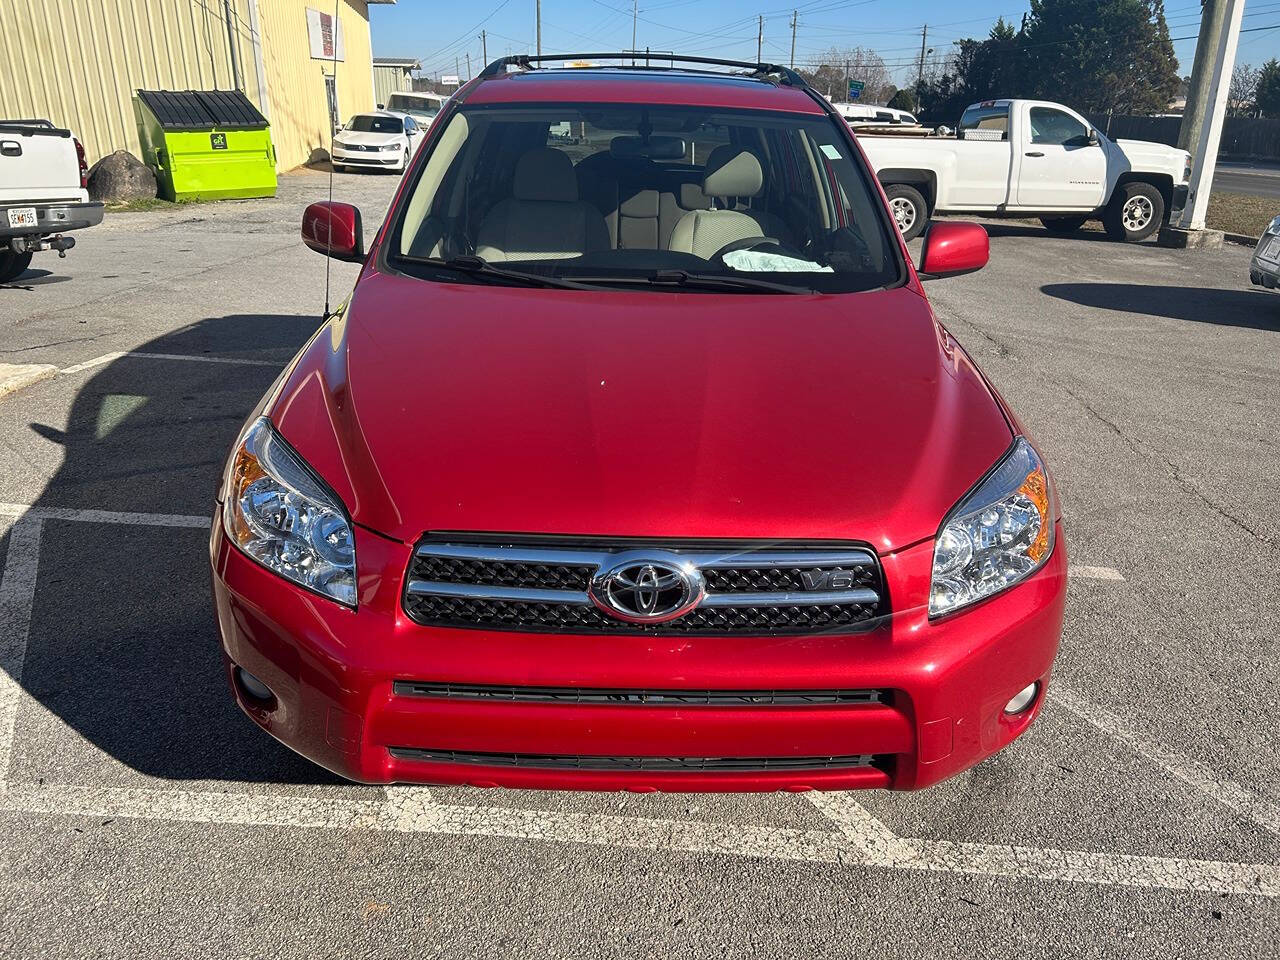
(1242, 100)
(828, 71)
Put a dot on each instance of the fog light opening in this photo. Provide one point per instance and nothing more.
(254, 688)
(1023, 700)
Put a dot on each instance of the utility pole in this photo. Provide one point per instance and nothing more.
(760, 39)
(1212, 17)
(457, 69)
(484, 48)
(846, 81)
(794, 13)
(1204, 150)
(468, 64)
(538, 9)
(924, 37)
(635, 12)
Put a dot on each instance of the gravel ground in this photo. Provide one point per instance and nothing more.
(145, 817)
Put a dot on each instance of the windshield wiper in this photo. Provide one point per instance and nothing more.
(479, 266)
(721, 281)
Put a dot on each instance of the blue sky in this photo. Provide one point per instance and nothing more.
(437, 33)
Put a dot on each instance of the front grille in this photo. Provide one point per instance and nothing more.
(595, 695)
(548, 587)
(545, 761)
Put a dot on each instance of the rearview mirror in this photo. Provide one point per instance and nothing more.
(951, 249)
(334, 229)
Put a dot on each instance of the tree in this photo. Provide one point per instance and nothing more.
(831, 68)
(904, 99)
(1267, 93)
(1241, 101)
(1100, 56)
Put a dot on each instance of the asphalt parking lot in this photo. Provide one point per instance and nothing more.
(143, 815)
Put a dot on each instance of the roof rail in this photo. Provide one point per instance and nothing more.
(762, 70)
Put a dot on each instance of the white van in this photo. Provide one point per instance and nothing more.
(423, 107)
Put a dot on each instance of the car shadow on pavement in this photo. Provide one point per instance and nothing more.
(1256, 309)
(1090, 232)
(123, 646)
(31, 279)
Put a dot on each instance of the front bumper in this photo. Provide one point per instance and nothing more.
(332, 672)
(1263, 271)
(386, 159)
(52, 218)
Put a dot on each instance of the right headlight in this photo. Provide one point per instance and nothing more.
(1274, 226)
(998, 535)
(277, 512)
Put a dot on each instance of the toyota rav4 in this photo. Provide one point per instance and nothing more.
(636, 459)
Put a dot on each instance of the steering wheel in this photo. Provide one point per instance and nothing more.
(747, 243)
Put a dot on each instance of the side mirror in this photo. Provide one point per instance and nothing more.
(951, 249)
(334, 229)
(380, 106)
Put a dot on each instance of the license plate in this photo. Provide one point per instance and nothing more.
(22, 216)
(1272, 252)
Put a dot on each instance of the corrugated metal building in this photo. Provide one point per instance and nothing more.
(78, 63)
(392, 74)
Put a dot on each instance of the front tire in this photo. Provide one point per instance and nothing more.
(13, 265)
(1063, 224)
(1135, 212)
(909, 208)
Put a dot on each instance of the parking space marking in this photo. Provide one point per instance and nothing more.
(1093, 573)
(849, 847)
(17, 597)
(1229, 793)
(858, 839)
(198, 358)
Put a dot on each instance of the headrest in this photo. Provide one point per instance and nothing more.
(732, 172)
(545, 174)
(655, 148)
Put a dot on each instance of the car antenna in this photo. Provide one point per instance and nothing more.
(328, 259)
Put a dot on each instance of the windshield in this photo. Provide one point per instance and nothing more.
(415, 106)
(368, 124)
(631, 194)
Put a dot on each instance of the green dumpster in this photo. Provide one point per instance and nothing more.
(206, 144)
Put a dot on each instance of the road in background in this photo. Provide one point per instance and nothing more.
(143, 816)
(1254, 180)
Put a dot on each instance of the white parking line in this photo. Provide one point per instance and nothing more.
(859, 838)
(198, 358)
(1229, 793)
(1093, 573)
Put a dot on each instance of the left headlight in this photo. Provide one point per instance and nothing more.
(1274, 226)
(278, 512)
(997, 536)
(390, 146)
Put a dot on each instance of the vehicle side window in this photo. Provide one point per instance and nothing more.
(410, 126)
(990, 120)
(1049, 126)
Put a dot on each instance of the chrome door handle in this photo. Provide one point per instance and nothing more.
(1034, 153)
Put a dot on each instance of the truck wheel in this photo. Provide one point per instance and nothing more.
(1063, 224)
(910, 212)
(13, 265)
(1135, 212)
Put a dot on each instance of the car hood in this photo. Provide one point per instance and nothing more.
(461, 407)
(366, 138)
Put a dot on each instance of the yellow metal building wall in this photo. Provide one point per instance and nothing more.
(299, 106)
(78, 62)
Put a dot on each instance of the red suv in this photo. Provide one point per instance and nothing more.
(638, 460)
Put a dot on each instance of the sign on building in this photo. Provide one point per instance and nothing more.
(449, 80)
(325, 35)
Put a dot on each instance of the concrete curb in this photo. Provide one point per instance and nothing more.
(15, 376)
(1241, 238)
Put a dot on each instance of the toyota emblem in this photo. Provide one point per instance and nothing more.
(646, 589)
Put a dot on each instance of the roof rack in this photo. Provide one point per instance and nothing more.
(763, 71)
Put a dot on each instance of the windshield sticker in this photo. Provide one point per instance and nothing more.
(830, 152)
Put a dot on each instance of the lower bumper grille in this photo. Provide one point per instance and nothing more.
(601, 587)
(681, 698)
(544, 761)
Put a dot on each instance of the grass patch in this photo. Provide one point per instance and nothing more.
(1237, 213)
(146, 204)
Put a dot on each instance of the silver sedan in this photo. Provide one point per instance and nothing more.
(1264, 269)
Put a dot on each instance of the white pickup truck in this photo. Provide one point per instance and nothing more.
(42, 193)
(1031, 158)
